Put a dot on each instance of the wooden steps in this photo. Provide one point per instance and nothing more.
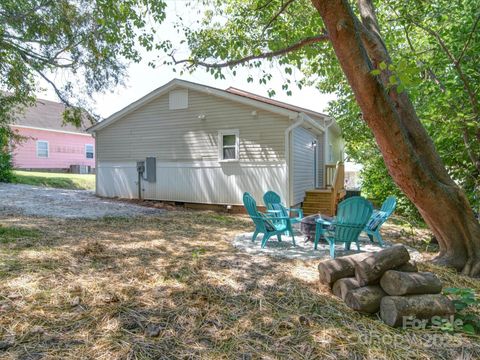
(318, 201)
(324, 201)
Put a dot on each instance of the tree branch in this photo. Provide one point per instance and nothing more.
(55, 88)
(369, 20)
(282, 9)
(474, 27)
(266, 55)
(431, 74)
(466, 84)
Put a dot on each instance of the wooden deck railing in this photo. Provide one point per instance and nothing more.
(325, 200)
(329, 174)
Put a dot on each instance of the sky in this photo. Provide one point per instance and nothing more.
(143, 79)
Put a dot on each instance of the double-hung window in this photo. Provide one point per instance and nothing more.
(42, 149)
(89, 151)
(228, 149)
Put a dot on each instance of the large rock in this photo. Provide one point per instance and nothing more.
(403, 283)
(397, 310)
(370, 270)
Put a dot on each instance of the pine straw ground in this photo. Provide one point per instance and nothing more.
(173, 287)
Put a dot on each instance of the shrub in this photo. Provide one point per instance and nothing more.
(6, 174)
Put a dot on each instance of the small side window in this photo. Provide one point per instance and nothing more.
(42, 149)
(228, 145)
(89, 151)
(330, 153)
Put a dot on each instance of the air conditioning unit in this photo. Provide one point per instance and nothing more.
(80, 169)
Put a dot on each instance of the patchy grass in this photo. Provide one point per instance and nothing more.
(55, 180)
(174, 287)
(12, 233)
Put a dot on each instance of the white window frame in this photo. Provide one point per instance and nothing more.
(221, 134)
(330, 152)
(93, 151)
(48, 149)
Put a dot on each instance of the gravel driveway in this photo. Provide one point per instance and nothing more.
(70, 204)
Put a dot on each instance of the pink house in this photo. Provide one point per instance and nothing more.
(50, 145)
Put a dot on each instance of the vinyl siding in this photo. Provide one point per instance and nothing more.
(337, 146)
(205, 182)
(179, 135)
(303, 159)
(64, 149)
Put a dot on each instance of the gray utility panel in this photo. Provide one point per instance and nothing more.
(151, 165)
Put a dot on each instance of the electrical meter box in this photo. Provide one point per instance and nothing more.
(141, 167)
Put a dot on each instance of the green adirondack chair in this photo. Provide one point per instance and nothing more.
(266, 224)
(273, 203)
(352, 216)
(378, 218)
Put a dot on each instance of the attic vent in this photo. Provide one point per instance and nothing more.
(178, 99)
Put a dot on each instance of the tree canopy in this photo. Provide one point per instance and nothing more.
(433, 46)
(78, 47)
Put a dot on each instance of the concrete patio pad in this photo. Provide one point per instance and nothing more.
(304, 250)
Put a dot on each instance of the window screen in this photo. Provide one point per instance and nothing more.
(42, 149)
(89, 151)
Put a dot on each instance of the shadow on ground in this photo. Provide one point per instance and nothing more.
(175, 287)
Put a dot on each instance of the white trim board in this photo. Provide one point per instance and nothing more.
(52, 130)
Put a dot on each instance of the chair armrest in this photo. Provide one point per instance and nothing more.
(270, 217)
(274, 211)
(298, 211)
(324, 222)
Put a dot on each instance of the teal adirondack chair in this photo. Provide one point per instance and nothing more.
(352, 216)
(273, 203)
(266, 224)
(378, 218)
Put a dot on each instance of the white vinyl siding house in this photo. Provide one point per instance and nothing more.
(305, 144)
(210, 146)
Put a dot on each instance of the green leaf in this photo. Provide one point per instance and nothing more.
(469, 329)
(382, 65)
(375, 72)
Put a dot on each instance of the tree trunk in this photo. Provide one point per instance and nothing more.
(370, 270)
(398, 283)
(394, 310)
(365, 299)
(410, 266)
(408, 151)
(331, 270)
(343, 286)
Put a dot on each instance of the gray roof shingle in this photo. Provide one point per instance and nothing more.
(47, 115)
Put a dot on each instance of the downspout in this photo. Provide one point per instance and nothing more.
(326, 145)
(300, 120)
(94, 135)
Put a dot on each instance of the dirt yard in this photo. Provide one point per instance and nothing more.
(173, 286)
(63, 203)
